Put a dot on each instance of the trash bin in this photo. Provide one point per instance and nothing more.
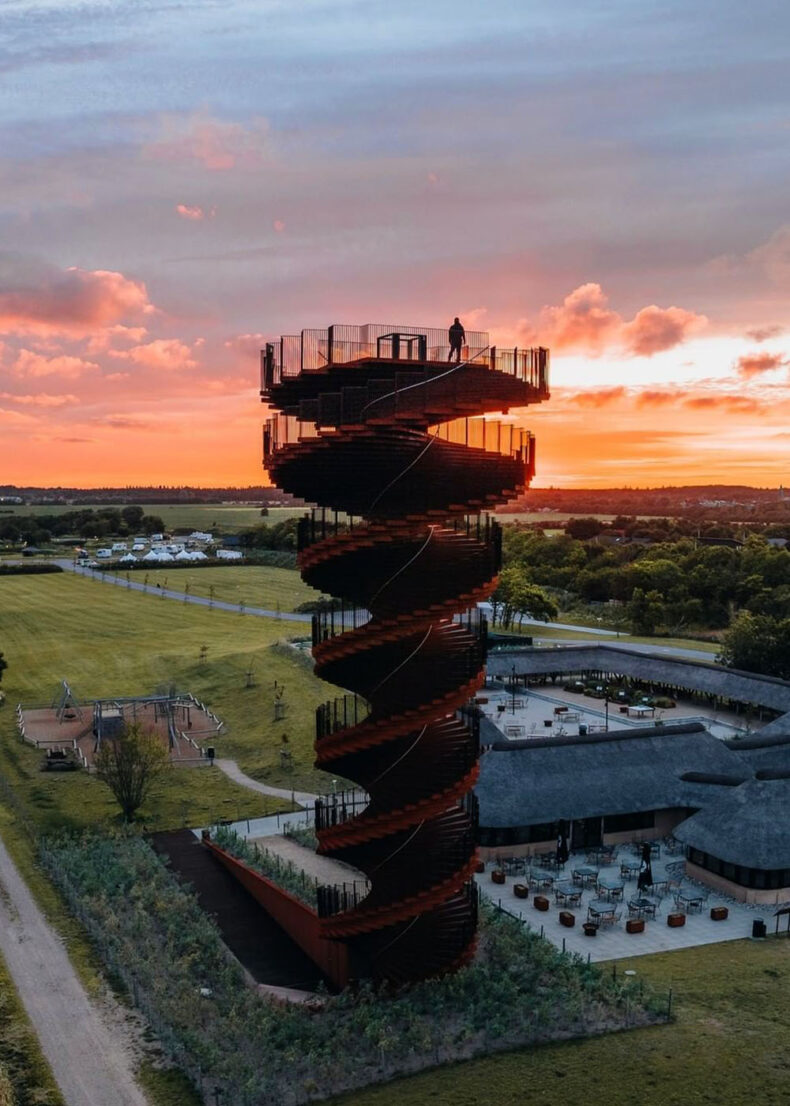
(582, 729)
(758, 928)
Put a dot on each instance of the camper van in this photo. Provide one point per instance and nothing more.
(103, 554)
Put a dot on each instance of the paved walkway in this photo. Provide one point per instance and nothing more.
(168, 593)
(233, 772)
(90, 1059)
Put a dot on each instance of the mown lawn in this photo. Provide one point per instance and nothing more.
(254, 585)
(727, 1046)
(109, 641)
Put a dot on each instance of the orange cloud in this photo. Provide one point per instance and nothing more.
(72, 301)
(14, 418)
(124, 422)
(41, 399)
(195, 213)
(584, 321)
(214, 144)
(740, 404)
(31, 364)
(599, 397)
(168, 354)
(753, 364)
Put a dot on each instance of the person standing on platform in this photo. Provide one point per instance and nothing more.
(457, 336)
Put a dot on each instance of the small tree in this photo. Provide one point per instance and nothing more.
(129, 764)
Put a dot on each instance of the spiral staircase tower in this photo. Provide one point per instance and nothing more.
(388, 439)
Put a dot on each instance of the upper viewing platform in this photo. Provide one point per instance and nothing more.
(304, 366)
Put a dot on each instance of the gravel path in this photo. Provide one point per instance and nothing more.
(90, 1059)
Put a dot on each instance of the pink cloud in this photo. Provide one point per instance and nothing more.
(279, 225)
(585, 322)
(753, 364)
(15, 418)
(41, 399)
(763, 333)
(104, 339)
(31, 364)
(74, 301)
(216, 145)
(654, 329)
(168, 354)
(195, 213)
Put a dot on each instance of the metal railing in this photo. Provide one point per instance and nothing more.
(340, 344)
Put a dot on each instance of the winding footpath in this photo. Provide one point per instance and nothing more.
(89, 1058)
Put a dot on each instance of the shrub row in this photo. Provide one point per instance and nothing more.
(151, 932)
(34, 569)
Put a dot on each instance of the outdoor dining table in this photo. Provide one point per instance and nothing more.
(691, 899)
(643, 906)
(601, 911)
(610, 886)
(630, 868)
(566, 894)
(586, 873)
(541, 880)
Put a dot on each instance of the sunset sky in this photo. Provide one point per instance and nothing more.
(182, 180)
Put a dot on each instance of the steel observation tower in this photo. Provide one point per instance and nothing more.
(375, 427)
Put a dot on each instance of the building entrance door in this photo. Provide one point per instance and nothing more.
(586, 834)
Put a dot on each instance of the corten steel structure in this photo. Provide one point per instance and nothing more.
(377, 429)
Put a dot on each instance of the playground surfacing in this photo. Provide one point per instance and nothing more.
(184, 725)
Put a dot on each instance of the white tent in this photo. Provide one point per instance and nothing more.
(183, 556)
(126, 558)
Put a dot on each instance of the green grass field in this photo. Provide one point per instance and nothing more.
(254, 585)
(109, 641)
(728, 1045)
(200, 516)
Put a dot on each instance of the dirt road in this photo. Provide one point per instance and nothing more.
(89, 1057)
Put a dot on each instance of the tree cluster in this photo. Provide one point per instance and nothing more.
(669, 585)
(107, 522)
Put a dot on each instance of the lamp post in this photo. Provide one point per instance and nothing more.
(606, 710)
(513, 689)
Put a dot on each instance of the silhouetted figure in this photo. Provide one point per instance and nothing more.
(457, 336)
(645, 869)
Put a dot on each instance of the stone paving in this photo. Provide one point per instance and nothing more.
(613, 942)
(535, 706)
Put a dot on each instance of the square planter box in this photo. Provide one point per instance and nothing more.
(521, 891)
(719, 913)
(567, 919)
(590, 929)
(674, 921)
(480, 866)
(635, 925)
(497, 876)
(540, 902)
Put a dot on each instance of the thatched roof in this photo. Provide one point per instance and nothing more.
(746, 825)
(712, 679)
(543, 780)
